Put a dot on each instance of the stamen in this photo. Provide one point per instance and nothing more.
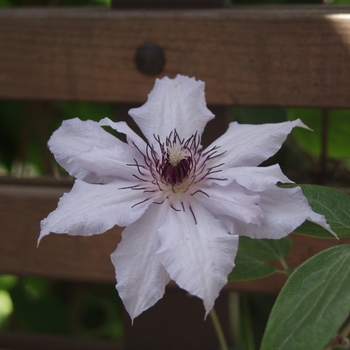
(145, 200)
(217, 178)
(138, 166)
(172, 207)
(157, 183)
(213, 172)
(138, 178)
(139, 188)
(200, 191)
(128, 187)
(137, 148)
(194, 216)
(217, 166)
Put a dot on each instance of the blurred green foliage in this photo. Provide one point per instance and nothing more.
(45, 306)
(23, 140)
(338, 132)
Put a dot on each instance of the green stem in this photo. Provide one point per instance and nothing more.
(218, 329)
(343, 334)
(235, 317)
(287, 270)
(346, 331)
(284, 264)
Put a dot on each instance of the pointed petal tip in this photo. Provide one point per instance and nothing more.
(320, 220)
(39, 240)
(133, 312)
(43, 231)
(323, 223)
(105, 122)
(334, 234)
(206, 315)
(209, 307)
(328, 228)
(317, 218)
(300, 124)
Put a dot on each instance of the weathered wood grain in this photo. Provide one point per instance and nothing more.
(22, 206)
(25, 340)
(280, 56)
(58, 256)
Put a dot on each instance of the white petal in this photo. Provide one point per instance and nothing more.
(255, 179)
(140, 276)
(90, 209)
(284, 209)
(74, 137)
(231, 200)
(108, 163)
(198, 257)
(250, 145)
(173, 104)
(123, 128)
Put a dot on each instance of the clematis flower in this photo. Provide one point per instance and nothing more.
(183, 206)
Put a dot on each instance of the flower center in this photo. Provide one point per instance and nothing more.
(176, 164)
(177, 153)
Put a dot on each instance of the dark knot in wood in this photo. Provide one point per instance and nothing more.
(149, 59)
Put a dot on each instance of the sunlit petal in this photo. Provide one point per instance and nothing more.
(250, 145)
(123, 128)
(76, 136)
(231, 200)
(173, 104)
(141, 279)
(90, 209)
(284, 210)
(108, 163)
(198, 256)
(255, 179)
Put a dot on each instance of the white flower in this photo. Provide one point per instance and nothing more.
(184, 207)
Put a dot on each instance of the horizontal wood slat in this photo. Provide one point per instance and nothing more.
(58, 256)
(11, 340)
(282, 56)
(87, 258)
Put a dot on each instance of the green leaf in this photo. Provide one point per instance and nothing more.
(249, 267)
(334, 205)
(251, 253)
(266, 249)
(313, 304)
